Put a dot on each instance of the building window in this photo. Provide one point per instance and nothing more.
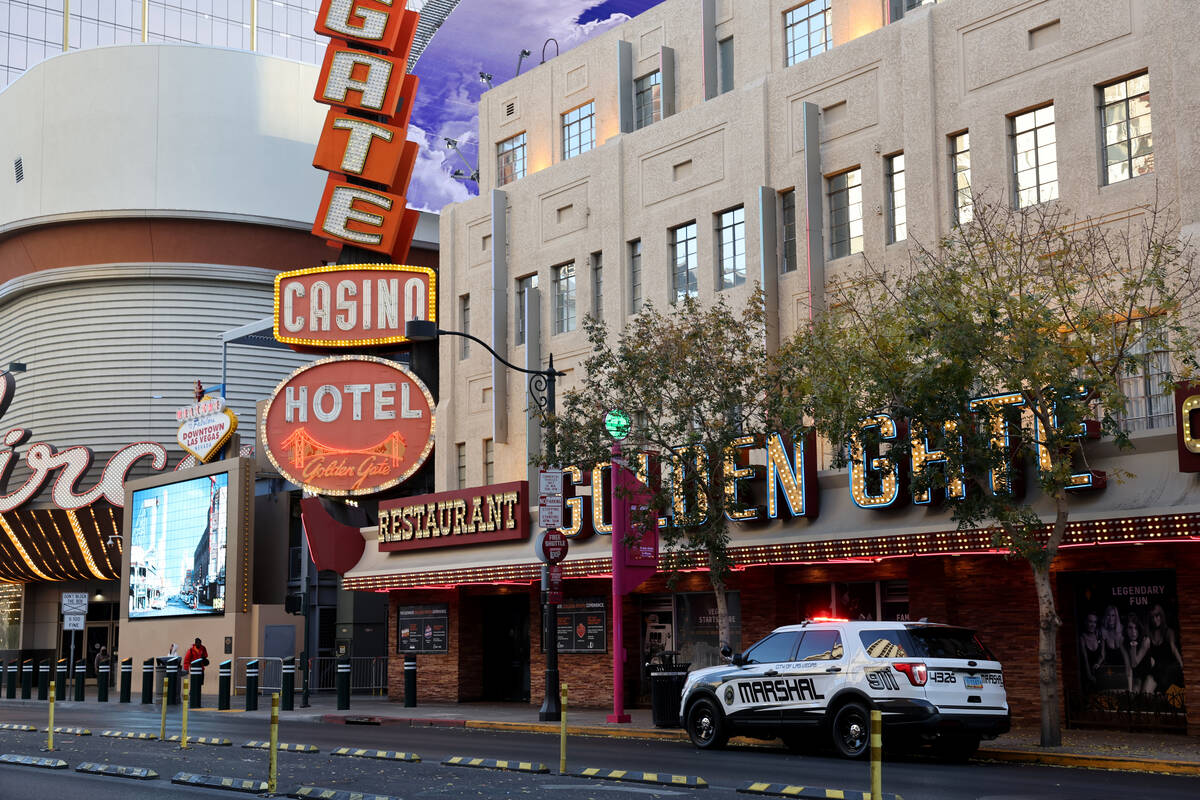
(647, 100)
(684, 260)
(635, 276)
(806, 31)
(845, 213)
(731, 245)
(578, 130)
(464, 324)
(598, 285)
(489, 462)
(1125, 122)
(1035, 161)
(564, 298)
(787, 210)
(510, 160)
(894, 172)
(523, 284)
(960, 171)
(1147, 403)
(460, 453)
(725, 65)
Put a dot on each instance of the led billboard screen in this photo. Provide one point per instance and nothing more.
(177, 549)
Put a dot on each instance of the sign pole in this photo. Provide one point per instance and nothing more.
(620, 527)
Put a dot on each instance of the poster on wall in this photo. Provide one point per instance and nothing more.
(581, 626)
(1128, 648)
(423, 629)
(699, 638)
(178, 548)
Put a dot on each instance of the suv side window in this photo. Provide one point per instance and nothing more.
(820, 646)
(773, 649)
(885, 644)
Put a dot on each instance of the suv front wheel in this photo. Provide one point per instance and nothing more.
(706, 725)
(850, 730)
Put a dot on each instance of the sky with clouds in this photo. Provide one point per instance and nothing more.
(487, 36)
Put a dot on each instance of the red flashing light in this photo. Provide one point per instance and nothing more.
(918, 674)
(828, 619)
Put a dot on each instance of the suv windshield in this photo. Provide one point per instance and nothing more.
(939, 642)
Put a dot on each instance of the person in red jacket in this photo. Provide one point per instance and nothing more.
(197, 654)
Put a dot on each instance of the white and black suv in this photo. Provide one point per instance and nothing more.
(931, 682)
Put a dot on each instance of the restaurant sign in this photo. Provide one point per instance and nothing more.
(348, 425)
(484, 514)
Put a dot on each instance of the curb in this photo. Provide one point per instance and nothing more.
(784, 790)
(283, 747)
(12, 726)
(1083, 761)
(217, 782)
(71, 731)
(336, 794)
(387, 755)
(129, 735)
(491, 763)
(137, 773)
(33, 761)
(202, 740)
(661, 779)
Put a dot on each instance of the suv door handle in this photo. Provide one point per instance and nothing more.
(833, 669)
(771, 673)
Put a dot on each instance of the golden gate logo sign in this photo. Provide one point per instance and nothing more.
(371, 149)
(348, 425)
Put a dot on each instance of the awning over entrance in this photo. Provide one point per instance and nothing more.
(51, 544)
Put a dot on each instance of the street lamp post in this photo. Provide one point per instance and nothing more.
(541, 389)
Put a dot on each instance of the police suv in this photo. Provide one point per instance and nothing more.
(935, 683)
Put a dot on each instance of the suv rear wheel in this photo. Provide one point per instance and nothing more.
(706, 725)
(850, 730)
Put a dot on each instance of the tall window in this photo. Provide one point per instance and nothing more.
(731, 244)
(725, 65)
(564, 298)
(1147, 403)
(845, 213)
(510, 160)
(460, 455)
(647, 99)
(897, 221)
(684, 260)
(489, 462)
(806, 31)
(787, 210)
(960, 171)
(523, 284)
(1035, 160)
(635, 276)
(1125, 121)
(578, 130)
(464, 323)
(598, 285)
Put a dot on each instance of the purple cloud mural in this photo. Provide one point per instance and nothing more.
(488, 36)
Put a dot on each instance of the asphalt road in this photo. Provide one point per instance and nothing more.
(725, 771)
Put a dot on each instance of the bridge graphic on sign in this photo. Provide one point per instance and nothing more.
(304, 448)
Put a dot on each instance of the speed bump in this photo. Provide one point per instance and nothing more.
(336, 794)
(128, 735)
(217, 782)
(12, 726)
(137, 773)
(491, 763)
(33, 761)
(72, 731)
(388, 755)
(643, 777)
(786, 790)
(290, 748)
(202, 740)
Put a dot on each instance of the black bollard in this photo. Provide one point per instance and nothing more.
(173, 681)
(410, 681)
(196, 673)
(148, 682)
(27, 679)
(343, 684)
(3, 671)
(80, 679)
(103, 669)
(44, 679)
(287, 695)
(10, 675)
(126, 680)
(252, 685)
(224, 675)
(60, 682)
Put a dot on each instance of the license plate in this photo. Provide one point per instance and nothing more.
(973, 682)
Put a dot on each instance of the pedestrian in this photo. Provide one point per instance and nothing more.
(197, 655)
(101, 658)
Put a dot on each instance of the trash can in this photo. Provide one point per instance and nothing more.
(666, 688)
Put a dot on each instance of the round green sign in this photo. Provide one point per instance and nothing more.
(616, 422)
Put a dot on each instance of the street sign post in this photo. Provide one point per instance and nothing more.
(74, 611)
(550, 481)
(552, 549)
(550, 511)
(552, 546)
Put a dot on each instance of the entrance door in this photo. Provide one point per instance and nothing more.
(506, 648)
(96, 636)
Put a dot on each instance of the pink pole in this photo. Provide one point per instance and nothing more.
(620, 527)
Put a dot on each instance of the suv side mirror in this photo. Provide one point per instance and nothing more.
(726, 652)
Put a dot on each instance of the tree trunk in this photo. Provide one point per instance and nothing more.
(722, 610)
(1048, 625)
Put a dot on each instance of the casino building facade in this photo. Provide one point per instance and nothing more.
(708, 146)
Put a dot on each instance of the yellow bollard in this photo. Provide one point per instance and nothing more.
(562, 733)
(274, 743)
(162, 726)
(186, 695)
(50, 727)
(876, 755)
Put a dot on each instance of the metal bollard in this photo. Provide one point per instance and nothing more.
(173, 681)
(3, 672)
(252, 685)
(50, 726)
(183, 730)
(287, 698)
(80, 679)
(876, 755)
(10, 674)
(103, 670)
(197, 681)
(410, 681)
(60, 683)
(148, 682)
(162, 725)
(126, 680)
(343, 684)
(43, 679)
(273, 744)
(224, 674)
(27, 679)
(562, 732)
